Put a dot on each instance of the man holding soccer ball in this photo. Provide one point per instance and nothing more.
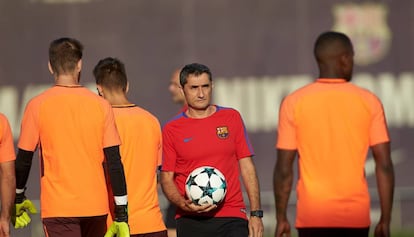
(209, 135)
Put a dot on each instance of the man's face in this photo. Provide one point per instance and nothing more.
(198, 90)
(175, 89)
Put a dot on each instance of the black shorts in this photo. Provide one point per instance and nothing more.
(212, 226)
(153, 234)
(337, 232)
(170, 217)
(91, 226)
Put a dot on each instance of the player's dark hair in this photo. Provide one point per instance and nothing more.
(110, 73)
(195, 69)
(64, 54)
(328, 38)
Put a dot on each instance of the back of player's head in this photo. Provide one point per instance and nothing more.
(110, 73)
(64, 54)
(195, 69)
(331, 43)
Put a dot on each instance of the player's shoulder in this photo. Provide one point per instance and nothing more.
(3, 120)
(227, 113)
(96, 103)
(298, 93)
(37, 99)
(365, 93)
(146, 114)
(142, 110)
(96, 98)
(226, 110)
(53, 91)
(362, 90)
(3, 117)
(178, 121)
(303, 90)
(3, 123)
(175, 119)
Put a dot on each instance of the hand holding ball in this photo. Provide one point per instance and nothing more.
(206, 185)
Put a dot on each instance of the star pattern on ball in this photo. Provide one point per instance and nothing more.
(206, 185)
(191, 180)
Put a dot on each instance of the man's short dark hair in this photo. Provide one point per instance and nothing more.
(193, 69)
(64, 54)
(326, 39)
(110, 73)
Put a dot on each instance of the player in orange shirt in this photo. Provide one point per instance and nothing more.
(141, 147)
(7, 177)
(75, 132)
(331, 124)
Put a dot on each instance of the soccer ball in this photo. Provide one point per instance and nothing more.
(206, 185)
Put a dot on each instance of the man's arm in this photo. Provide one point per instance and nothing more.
(23, 206)
(118, 182)
(173, 195)
(8, 190)
(282, 186)
(170, 190)
(251, 183)
(384, 172)
(23, 165)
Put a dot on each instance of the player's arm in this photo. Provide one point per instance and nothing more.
(118, 183)
(20, 217)
(7, 189)
(251, 183)
(167, 176)
(173, 195)
(7, 175)
(282, 186)
(384, 172)
(23, 165)
(170, 190)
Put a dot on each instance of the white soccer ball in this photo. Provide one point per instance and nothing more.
(206, 185)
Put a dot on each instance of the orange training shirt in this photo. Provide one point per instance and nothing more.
(7, 152)
(332, 124)
(141, 148)
(71, 126)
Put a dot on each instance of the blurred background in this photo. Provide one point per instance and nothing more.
(258, 51)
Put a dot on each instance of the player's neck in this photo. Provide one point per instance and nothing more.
(67, 80)
(200, 113)
(117, 99)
